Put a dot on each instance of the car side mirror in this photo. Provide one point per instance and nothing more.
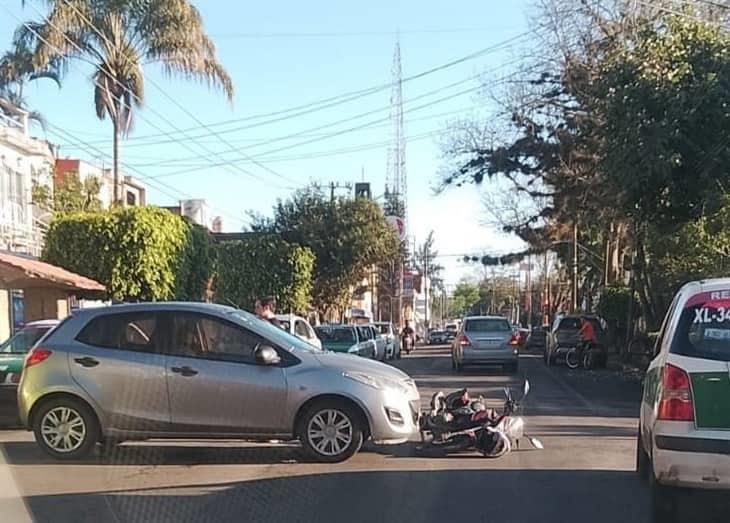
(266, 355)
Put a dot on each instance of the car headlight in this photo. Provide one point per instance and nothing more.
(377, 382)
(354, 349)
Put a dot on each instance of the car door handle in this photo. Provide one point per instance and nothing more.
(185, 371)
(86, 361)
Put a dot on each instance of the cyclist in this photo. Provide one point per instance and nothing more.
(587, 335)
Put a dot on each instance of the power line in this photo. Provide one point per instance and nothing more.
(156, 184)
(333, 101)
(76, 140)
(367, 124)
(454, 112)
(116, 81)
(179, 105)
(338, 34)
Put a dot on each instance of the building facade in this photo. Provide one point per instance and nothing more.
(134, 193)
(24, 162)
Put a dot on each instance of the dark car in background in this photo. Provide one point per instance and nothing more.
(536, 338)
(564, 335)
(437, 337)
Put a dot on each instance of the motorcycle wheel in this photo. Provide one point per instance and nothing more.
(571, 359)
(502, 447)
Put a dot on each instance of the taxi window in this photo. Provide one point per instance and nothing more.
(703, 328)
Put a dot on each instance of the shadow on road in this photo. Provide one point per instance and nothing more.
(426, 496)
(28, 453)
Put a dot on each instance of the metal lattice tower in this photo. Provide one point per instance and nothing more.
(395, 177)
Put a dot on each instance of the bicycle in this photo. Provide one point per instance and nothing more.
(576, 357)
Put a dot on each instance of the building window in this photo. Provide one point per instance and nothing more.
(131, 199)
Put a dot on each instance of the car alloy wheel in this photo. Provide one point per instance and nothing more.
(65, 428)
(331, 431)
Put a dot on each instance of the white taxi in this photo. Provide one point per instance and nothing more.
(684, 428)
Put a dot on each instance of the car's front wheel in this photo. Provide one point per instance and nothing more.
(65, 428)
(331, 431)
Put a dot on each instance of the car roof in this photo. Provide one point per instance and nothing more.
(42, 323)
(156, 306)
(288, 317)
(485, 318)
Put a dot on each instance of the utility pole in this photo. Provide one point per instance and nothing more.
(426, 283)
(574, 290)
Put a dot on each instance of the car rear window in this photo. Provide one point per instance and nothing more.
(336, 335)
(487, 325)
(703, 329)
(128, 331)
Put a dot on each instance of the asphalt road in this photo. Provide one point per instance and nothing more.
(587, 421)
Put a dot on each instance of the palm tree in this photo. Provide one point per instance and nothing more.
(118, 38)
(16, 69)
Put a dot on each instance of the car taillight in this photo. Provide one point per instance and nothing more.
(514, 340)
(36, 356)
(676, 401)
(463, 341)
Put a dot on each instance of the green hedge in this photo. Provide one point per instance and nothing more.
(138, 253)
(261, 266)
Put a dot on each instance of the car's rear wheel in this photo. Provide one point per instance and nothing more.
(65, 428)
(331, 431)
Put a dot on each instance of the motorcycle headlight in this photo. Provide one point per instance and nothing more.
(377, 382)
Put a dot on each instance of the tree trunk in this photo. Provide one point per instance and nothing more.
(115, 168)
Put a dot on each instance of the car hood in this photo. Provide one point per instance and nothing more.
(350, 362)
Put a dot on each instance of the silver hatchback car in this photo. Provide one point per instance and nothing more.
(194, 370)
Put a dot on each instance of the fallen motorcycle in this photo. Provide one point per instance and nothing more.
(457, 423)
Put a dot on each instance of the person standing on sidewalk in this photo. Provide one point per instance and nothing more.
(266, 310)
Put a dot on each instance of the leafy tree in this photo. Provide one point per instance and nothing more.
(196, 265)
(71, 195)
(346, 236)
(666, 126)
(426, 261)
(120, 37)
(137, 252)
(264, 265)
(464, 297)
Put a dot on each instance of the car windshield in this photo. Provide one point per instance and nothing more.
(336, 334)
(22, 341)
(703, 330)
(277, 335)
(569, 324)
(487, 325)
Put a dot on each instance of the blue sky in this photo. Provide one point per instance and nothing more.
(283, 54)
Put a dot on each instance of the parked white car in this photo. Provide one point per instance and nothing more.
(684, 427)
(300, 328)
(381, 344)
(392, 349)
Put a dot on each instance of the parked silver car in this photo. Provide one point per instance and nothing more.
(485, 340)
(193, 370)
